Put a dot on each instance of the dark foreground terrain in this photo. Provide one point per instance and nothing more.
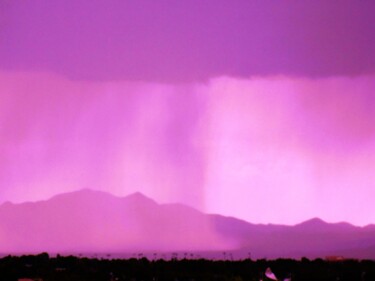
(43, 267)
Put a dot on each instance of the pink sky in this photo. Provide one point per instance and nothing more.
(265, 149)
(261, 110)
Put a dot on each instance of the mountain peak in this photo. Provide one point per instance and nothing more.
(6, 204)
(137, 194)
(314, 221)
(139, 198)
(84, 192)
(317, 224)
(96, 196)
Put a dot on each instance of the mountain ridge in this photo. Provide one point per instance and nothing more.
(141, 196)
(95, 221)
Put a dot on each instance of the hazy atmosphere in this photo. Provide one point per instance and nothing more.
(261, 110)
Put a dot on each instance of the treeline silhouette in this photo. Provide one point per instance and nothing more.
(43, 267)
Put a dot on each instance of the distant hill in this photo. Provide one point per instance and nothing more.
(313, 239)
(94, 221)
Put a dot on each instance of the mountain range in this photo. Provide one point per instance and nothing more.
(97, 222)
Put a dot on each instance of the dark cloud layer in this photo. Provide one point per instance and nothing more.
(188, 40)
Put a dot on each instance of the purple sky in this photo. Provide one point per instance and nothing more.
(258, 109)
(191, 40)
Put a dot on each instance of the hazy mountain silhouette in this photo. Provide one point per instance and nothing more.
(313, 238)
(94, 221)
